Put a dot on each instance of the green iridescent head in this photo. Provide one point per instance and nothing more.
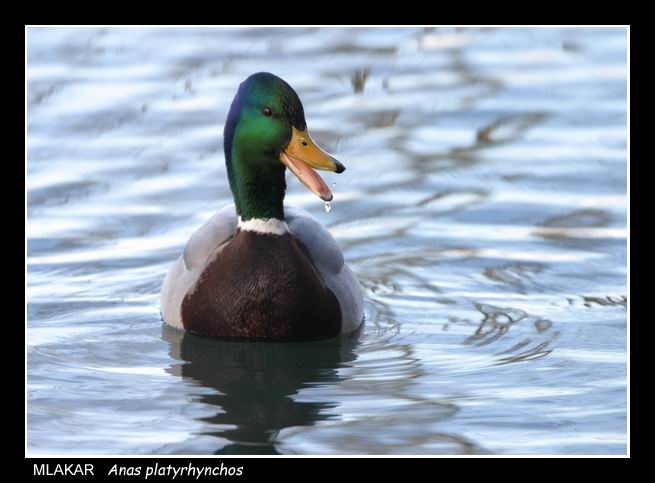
(265, 133)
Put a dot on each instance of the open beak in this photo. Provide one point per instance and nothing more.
(301, 155)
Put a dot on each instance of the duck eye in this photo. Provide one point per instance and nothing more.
(268, 112)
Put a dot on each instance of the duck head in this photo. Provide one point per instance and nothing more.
(265, 133)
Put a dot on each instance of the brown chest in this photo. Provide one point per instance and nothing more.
(261, 286)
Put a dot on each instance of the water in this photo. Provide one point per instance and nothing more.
(483, 210)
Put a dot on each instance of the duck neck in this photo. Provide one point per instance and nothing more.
(258, 188)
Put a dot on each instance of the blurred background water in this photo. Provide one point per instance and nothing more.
(483, 210)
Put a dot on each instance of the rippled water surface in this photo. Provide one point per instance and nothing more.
(483, 210)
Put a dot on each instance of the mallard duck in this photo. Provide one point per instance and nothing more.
(259, 268)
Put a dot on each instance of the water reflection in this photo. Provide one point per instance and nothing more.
(257, 385)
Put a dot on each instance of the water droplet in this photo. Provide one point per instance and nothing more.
(334, 184)
(328, 206)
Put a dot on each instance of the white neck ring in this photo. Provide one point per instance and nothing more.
(264, 226)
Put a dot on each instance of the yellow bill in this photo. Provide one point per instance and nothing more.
(301, 155)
